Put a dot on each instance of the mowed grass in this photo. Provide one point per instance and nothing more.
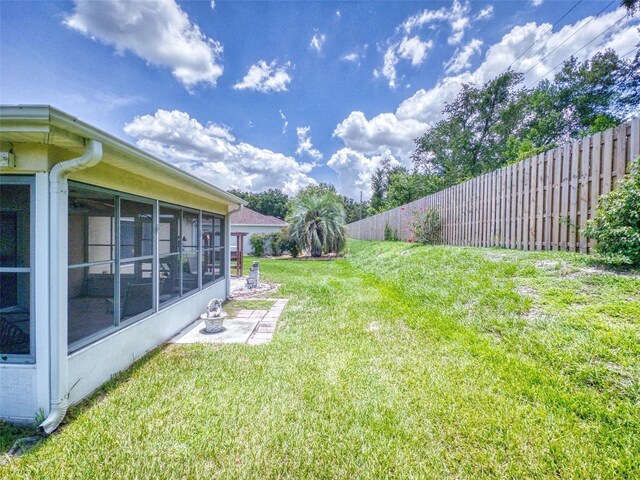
(399, 361)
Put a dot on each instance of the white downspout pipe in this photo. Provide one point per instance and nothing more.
(58, 262)
(227, 254)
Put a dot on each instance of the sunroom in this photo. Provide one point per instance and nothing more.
(105, 253)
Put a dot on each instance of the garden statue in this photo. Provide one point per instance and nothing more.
(213, 316)
(253, 280)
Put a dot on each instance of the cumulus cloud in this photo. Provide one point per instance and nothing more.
(395, 131)
(458, 17)
(355, 169)
(460, 59)
(317, 42)
(266, 78)
(159, 32)
(414, 49)
(213, 4)
(305, 146)
(212, 153)
(536, 3)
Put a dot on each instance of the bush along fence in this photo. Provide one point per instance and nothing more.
(541, 203)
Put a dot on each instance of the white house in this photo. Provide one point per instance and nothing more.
(249, 221)
(105, 253)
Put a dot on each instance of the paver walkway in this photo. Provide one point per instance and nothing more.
(254, 327)
(268, 319)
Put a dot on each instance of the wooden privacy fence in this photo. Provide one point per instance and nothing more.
(540, 203)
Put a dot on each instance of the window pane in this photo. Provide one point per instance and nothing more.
(90, 304)
(169, 279)
(91, 226)
(136, 288)
(169, 231)
(207, 231)
(14, 225)
(219, 236)
(189, 272)
(218, 263)
(136, 229)
(207, 267)
(15, 321)
(189, 232)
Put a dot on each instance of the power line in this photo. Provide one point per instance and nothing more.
(581, 48)
(570, 36)
(545, 33)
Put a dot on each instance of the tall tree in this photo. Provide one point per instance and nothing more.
(270, 202)
(472, 137)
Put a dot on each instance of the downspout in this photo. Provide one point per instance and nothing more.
(58, 262)
(227, 254)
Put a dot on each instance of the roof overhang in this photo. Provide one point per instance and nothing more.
(47, 125)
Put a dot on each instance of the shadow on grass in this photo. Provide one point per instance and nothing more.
(10, 433)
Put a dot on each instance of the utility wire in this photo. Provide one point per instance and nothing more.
(570, 36)
(581, 48)
(544, 34)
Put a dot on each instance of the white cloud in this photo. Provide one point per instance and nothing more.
(458, 17)
(395, 131)
(213, 4)
(355, 169)
(212, 153)
(389, 66)
(536, 3)
(158, 32)
(350, 57)
(286, 122)
(305, 146)
(414, 49)
(460, 59)
(486, 12)
(409, 48)
(266, 78)
(317, 42)
(338, 14)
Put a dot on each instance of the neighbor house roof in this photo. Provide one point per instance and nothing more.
(48, 125)
(246, 217)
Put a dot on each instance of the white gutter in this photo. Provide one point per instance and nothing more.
(58, 251)
(227, 254)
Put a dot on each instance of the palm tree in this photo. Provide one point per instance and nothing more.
(317, 222)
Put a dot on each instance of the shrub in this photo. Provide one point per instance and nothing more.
(616, 225)
(390, 235)
(288, 243)
(426, 227)
(257, 244)
(274, 243)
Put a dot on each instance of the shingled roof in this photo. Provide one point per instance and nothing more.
(246, 216)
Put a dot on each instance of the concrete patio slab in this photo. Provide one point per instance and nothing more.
(236, 330)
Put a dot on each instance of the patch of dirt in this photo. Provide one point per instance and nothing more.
(262, 288)
(496, 257)
(534, 312)
(405, 252)
(548, 264)
(373, 327)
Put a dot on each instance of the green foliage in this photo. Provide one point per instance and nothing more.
(317, 222)
(288, 243)
(616, 225)
(271, 202)
(274, 243)
(257, 244)
(500, 123)
(471, 139)
(389, 234)
(426, 227)
(353, 210)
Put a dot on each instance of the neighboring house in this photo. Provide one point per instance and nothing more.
(105, 253)
(249, 221)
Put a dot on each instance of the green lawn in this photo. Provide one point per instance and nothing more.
(399, 361)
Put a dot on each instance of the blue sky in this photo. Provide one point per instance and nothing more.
(256, 95)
